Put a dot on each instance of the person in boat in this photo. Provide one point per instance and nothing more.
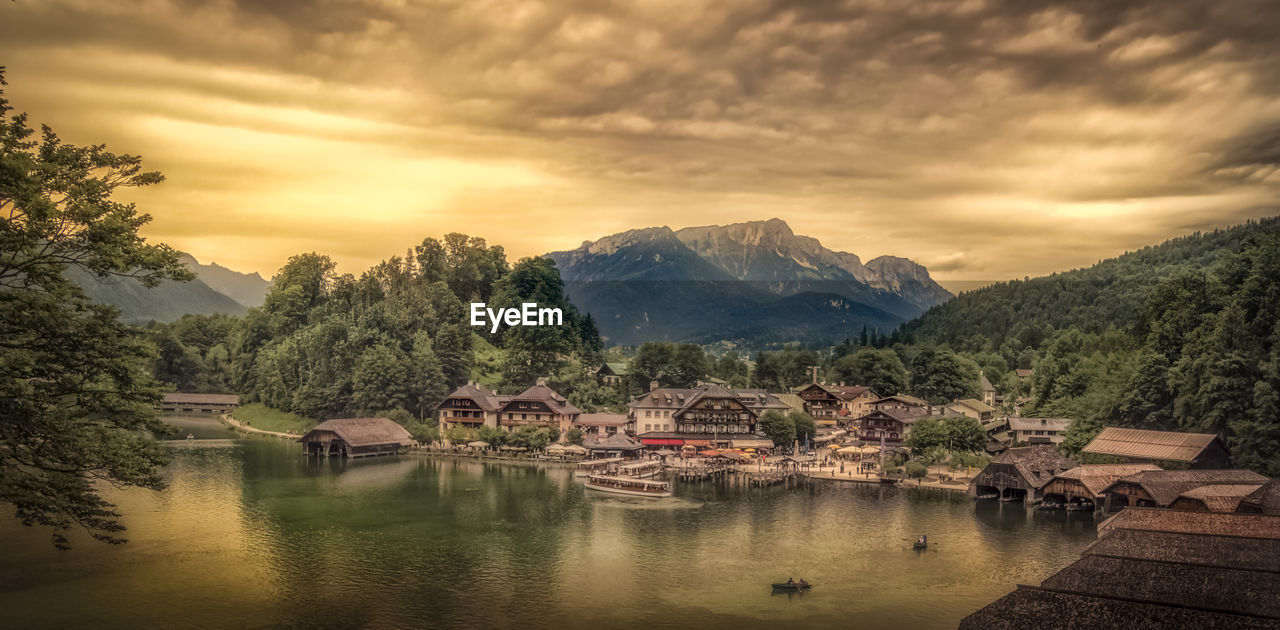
(803, 584)
(921, 540)
(790, 582)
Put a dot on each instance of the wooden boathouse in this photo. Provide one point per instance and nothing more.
(1084, 487)
(356, 437)
(1020, 473)
(1167, 449)
(1160, 488)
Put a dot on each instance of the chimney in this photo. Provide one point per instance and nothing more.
(653, 385)
(815, 374)
(542, 381)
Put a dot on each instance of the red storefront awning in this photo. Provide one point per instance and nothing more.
(661, 441)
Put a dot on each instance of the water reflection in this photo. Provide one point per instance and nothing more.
(252, 533)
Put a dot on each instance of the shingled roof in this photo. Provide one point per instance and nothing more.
(1153, 445)
(1098, 477)
(1164, 486)
(1264, 500)
(1156, 568)
(1037, 464)
(363, 431)
(486, 399)
(542, 394)
(1215, 498)
(201, 399)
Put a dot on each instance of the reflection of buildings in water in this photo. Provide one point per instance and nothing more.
(360, 476)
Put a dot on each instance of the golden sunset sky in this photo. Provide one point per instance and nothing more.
(983, 139)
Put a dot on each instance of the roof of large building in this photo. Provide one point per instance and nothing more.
(1154, 445)
(849, 392)
(202, 399)
(364, 431)
(1024, 372)
(1039, 424)
(486, 399)
(1098, 477)
(974, 404)
(1156, 568)
(615, 442)
(757, 400)
(601, 419)
(1164, 486)
(903, 398)
(1218, 498)
(540, 393)
(791, 400)
(618, 368)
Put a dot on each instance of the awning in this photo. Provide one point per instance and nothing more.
(698, 442)
(660, 442)
(752, 443)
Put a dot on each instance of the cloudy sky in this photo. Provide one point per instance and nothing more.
(984, 139)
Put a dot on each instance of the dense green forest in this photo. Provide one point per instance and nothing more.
(1178, 336)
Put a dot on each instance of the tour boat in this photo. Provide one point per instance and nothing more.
(590, 467)
(629, 486)
(640, 470)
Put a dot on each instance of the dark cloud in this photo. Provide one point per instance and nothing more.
(969, 121)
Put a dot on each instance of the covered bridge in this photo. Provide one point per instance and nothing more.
(356, 437)
(181, 402)
(1020, 473)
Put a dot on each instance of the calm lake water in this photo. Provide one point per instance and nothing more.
(252, 534)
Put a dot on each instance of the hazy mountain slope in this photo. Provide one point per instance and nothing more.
(249, 289)
(1109, 293)
(165, 303)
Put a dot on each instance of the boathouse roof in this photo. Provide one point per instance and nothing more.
(615, 442)
(1036, 464)
(1264, 500)
(1152, 445)
(1098, 477)
(1164, 486)
(363, 431)
(1216, 498)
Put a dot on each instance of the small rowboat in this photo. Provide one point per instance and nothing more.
(791, 586)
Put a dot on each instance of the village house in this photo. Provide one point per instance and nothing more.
(471, 406)
(1169, 449)
(1085, 486)
(1024, 374)
(539, 406)
(199, 403)
(356, 437)
(988, 390)
(973, 408)
(1160, 488)
(890, 418)
(821, 402)
(601, 424)
(1038, 430)
(1020, 473)
(855, 400)
(704, 416)
(611, 374)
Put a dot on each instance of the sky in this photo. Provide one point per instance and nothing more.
(984, 139)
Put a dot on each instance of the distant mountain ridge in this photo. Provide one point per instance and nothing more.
(215, 290)
(756, 281)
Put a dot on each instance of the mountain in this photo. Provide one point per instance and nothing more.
(755, 281)
(249, 289)
(216, 289)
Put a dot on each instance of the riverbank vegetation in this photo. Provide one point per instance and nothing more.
(260, 416)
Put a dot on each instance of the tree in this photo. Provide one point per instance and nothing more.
(879, 369)
(940, 376)
(574, 436)
(76, 401)
(805, 427)
(964, 434)
(381, 380)
(779, 428)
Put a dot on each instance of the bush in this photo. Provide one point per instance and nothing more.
(916, 470)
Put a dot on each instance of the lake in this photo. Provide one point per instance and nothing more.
(251, 533)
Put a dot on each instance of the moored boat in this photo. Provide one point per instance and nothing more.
(629, 486)
(791, 586)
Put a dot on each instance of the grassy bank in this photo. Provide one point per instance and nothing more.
(260, 416)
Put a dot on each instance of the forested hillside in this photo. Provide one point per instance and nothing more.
(1181, 336)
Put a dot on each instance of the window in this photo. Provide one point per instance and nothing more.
(666, 414)
(648, 427)
(648, 414)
